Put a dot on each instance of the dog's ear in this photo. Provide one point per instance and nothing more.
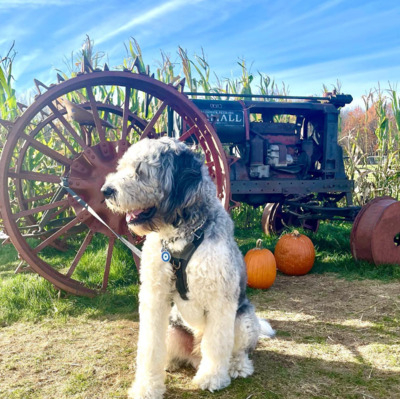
(187, 176)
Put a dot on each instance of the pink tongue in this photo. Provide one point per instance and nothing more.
(133, 215)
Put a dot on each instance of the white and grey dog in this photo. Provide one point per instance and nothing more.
(199, 315)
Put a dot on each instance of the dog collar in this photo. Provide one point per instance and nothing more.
(180, 260)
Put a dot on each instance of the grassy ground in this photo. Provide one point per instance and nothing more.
(337, 331)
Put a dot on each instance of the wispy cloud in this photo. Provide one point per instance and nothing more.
(342, 66)
(25, 62)
(13, 30)
(5, 5)
(301, 43)
(148, 16)
(315, 11)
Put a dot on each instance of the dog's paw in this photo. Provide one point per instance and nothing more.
(141, 390)
(241, 366)
(212, 382)
(173, 365)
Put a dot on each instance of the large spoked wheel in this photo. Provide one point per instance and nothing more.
(78, 130)
(276, 219)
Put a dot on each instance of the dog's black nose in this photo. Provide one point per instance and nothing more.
(108, 191)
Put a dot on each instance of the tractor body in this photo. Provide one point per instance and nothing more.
(284, 150)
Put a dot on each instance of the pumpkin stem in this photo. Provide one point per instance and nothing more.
(296, 233)
(259, 243)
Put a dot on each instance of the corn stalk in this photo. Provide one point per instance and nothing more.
(376, 175)
(8, 100)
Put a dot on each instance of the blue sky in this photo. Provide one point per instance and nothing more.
(302, 43)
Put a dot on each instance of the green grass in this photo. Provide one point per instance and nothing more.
(335, 338)
(27, 296)
(332, 246)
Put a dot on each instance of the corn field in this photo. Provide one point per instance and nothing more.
(370, 137)
(371, 141)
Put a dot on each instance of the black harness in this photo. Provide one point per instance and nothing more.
(180, 260)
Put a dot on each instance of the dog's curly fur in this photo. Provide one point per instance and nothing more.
(167, 193)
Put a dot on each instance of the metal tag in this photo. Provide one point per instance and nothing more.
(165, 256)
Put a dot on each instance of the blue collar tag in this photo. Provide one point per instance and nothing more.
(165, 255)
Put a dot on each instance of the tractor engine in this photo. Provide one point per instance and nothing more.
(264, 145)
(280, 149)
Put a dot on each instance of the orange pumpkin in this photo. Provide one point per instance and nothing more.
(294, 254)
(261, 267)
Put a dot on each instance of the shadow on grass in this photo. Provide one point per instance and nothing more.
(279, 375)
(29, 297)
(326, 334)
(118, 303)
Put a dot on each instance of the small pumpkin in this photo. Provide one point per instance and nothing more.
(261, 267)
(294, 254)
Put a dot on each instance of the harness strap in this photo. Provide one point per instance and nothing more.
(180, 261)
(64, 185)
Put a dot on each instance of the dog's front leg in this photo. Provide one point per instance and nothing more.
(154, 310)
(217, 346)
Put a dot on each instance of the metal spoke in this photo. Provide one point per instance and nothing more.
(26, 175)
(85, 133)
(126, 113)
(44, 149)
(67, 125)
(96, 117)
(60, 232)
(210, 164)
(111, 244)
(89, 135)
(37, 198)
(153, 121)
(80, 252)
(135, 257)
(135, 129)
(63, 138)
(42, 208)
(39, 127)
(188, 133)
(52, 215)
(49, 215)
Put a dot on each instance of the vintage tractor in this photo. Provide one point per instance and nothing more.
(273, 150)
(283, 152)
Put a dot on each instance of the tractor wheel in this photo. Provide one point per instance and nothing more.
(78, 129)
(375, 236)
(276, 218)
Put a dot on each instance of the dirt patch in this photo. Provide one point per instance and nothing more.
(336, 339)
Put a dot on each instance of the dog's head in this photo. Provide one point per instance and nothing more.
(155, 183)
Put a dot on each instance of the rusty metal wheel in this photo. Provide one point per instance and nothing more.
(375, 236)
(78, 129)
(275, 219)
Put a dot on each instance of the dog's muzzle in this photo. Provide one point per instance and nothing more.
(108, 192)
(140, 216)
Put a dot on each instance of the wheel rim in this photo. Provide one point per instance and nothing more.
(375, 235)
(275, 220)
(85, 153)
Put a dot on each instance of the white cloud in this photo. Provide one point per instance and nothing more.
(345, 65)
(302, 44)
(37, 3)
(148, 16)
(25, 62)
